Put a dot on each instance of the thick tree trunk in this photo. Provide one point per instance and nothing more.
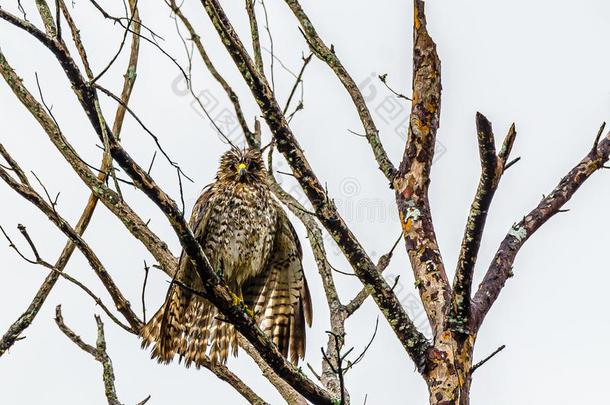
(449, 369)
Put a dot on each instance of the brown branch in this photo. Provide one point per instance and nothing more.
(39, 261)
(233, 97)
(98, 352)
(314, 234)
(382, 264)
(500, 269)
(47, 17)
(413, 179)
(111, 199)
(256, 42)
(216, 291)
(492, 168)
(290, 395)
(77, 39)
(31, 195)
(413, 341)
(328, 55)
(486, 359)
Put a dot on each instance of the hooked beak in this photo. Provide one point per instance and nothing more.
(242, 169)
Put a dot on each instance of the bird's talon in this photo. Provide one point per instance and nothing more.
(236, 299)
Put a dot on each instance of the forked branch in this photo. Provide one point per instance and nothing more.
(501, 265)
(492, 168)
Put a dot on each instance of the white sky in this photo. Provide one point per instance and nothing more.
(542, 64)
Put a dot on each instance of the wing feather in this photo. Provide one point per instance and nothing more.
(279, 296)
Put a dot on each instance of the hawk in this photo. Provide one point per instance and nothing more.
(249, 240)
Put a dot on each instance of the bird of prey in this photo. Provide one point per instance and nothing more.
(249, 240)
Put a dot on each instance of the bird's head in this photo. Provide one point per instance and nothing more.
(245, 166)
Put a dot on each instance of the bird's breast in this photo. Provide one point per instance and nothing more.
(243, 227)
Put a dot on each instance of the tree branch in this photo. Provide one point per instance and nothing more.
(492, 168)
(109, 198)
(501, 266)
(233, 97)
(30, 313)
(290, 395)
(31, 195)
(328, 55)
(411, 183)
(256, 42)
(216, 291)
(382, 264)
(98, 352)
(413, 341)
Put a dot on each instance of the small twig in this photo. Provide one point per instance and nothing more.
(298, 81)
(153, 42)
(26, 236)
(268, 29)
(51, 201)
(145, 128)
(15, 248)
(118, 52)
(315, 374)
(98, 352)
(146, 270)
(383, 79)
(486, 359)
(366, 348)
(152, 162)
(144, 401)
(511, 163)
(598, 137)
(356, 133)
(22, 10)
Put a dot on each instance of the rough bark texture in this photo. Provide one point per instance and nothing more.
(446, 362)
(413, 179)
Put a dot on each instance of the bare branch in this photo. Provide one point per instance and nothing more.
(382, 264)
(384, 80)
(31, 195)
(413, 179)
(77, 39)
(256, 42)
(328, 55)
(413, 341)
(492, 168)
(252, 140)
(299, 80)
(47, 17)
(501, 266)
(486, 359)
(39, 261)
(286, 391)
(98, 352)
(111, 199)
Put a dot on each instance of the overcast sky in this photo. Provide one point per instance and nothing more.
(541, 64)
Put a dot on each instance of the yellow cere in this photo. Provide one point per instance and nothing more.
(242, 166)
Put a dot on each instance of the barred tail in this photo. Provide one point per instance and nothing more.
(165, 329)
(187, 325)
